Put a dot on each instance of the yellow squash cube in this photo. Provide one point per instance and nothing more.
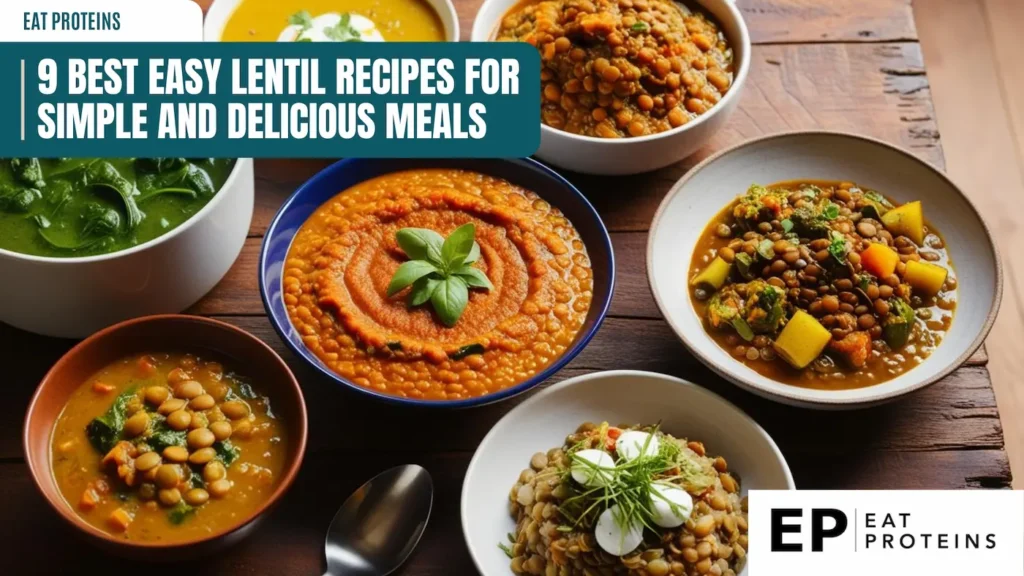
(714, 275)
(925, 277)
(907, 220)
(802, 340)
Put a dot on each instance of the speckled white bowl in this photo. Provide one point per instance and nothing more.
(714, 183)
(542, 422)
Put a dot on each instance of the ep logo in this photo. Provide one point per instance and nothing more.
(824, 523)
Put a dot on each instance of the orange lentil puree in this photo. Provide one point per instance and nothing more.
(621, 68)
(343, 257)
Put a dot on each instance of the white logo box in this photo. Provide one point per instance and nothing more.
(888, 532)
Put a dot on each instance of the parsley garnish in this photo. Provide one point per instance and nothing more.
(838, 247)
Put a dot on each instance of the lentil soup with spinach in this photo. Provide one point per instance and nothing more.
(73, 207)
(621, 68)
(824, 284)
(384, 300)
(167, 448)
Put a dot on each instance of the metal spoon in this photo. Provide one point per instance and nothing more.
(378, 526)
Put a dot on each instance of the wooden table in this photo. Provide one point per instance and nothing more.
(844, 64)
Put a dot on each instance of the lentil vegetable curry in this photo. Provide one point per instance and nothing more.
(617, 68)
(824, 284)
(342, 261)
(167, 448)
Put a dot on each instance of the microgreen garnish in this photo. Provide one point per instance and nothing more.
(639, 27)
(628, 484)
(439, 270)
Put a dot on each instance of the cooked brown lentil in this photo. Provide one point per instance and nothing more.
(621, 68)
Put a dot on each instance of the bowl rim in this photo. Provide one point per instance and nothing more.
(739, 80)
(64, 508)
(310, 359)
(581, 380)
(791, 394)
(180, 229)
(452, 33)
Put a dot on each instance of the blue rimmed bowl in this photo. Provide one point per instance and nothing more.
(526, 173)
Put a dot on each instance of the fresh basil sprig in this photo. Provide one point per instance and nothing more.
(439, 270)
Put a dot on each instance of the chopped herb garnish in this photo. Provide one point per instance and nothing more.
(838, 248)
(639, 27)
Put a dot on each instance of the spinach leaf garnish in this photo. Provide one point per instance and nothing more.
(227, 452)
(104, 175)
(29, 171)
(163, 436)
(172, 176)
(15, 199)
(180, 512)
(105, 431)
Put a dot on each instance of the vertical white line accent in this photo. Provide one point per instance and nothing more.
(22, 100)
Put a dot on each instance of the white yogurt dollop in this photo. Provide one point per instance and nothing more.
(319, 30)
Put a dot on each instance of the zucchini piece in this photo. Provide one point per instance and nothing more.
(898, 325)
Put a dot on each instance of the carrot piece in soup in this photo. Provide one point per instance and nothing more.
(89, 499)
(102, 387)
(879, 259)
(119, 520)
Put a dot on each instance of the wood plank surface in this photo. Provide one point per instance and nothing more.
(980, 98)
(842, 65)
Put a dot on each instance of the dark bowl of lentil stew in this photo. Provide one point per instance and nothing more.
(627, 86)
(824, 292)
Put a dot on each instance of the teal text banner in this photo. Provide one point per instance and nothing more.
(280, 100)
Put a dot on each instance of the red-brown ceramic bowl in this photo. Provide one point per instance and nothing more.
(154, 333)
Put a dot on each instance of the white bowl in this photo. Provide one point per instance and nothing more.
(542, 422)
(714, 183)
(221, 10)
(593, 155)
(74, 297)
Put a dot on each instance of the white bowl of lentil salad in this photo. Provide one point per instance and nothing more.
(526, 465)
(627, 86)
(824, 269)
